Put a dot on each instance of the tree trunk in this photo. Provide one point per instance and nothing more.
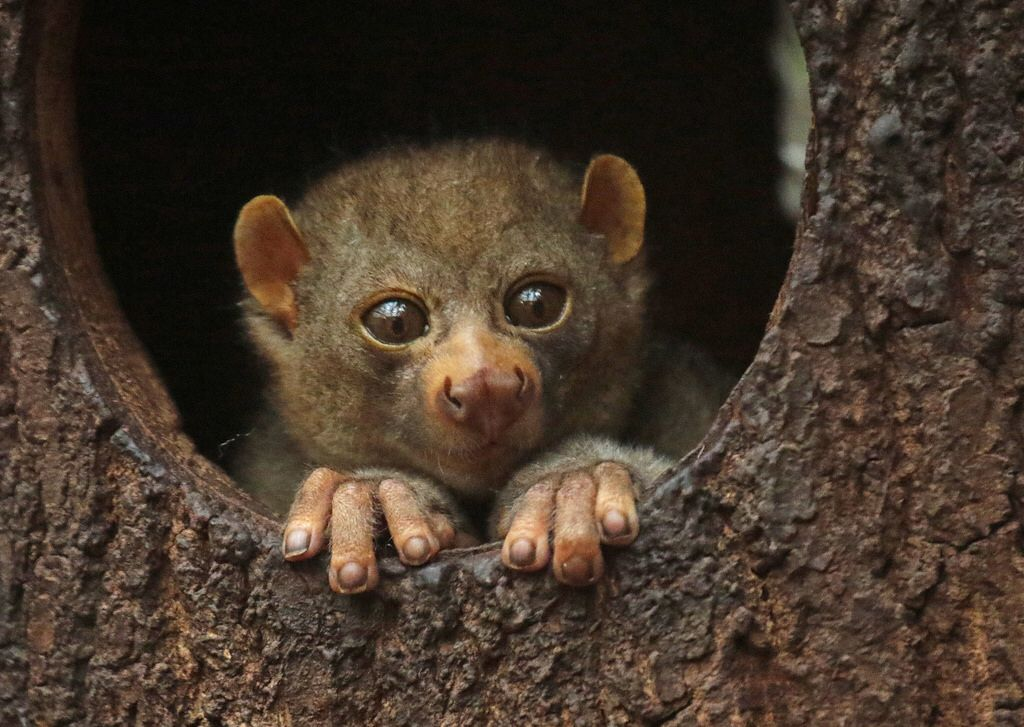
(844, 548)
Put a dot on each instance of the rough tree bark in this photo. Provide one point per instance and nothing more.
(845, 547)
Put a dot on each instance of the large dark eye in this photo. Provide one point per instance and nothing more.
(535, 305)
(395, 321)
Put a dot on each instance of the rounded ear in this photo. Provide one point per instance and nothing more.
(270, 252)
(613, 205)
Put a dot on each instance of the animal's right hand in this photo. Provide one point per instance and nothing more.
(418, 516)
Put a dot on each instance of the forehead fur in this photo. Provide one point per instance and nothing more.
(454, 197)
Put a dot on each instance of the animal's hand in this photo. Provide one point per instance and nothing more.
(582, 495)
(420, 518)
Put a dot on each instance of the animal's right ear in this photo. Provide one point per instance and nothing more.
(270, 252)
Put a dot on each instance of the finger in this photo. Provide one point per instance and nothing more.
(442, 527)
(466, 540)
(526, 543)
(408, 523)
(353, 566)
(448, 536)
(615, 508)
(305, 528)
(578, 560)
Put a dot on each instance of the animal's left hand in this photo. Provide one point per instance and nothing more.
(581, 503)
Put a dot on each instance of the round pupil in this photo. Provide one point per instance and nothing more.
(395, 321)
(536, 305)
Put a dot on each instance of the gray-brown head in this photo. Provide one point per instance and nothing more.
(449, 309)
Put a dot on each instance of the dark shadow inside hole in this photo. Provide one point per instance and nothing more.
(188, 110)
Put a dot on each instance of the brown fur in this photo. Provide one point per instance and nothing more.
(455, 225)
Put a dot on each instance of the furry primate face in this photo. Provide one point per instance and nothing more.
(449, 309)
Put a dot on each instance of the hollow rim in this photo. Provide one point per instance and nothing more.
(117, 364)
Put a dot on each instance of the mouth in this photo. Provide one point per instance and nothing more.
(487, 449)
(475, 456)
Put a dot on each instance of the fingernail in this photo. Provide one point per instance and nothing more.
(614, 524)
(522, 553)
(352, 575)
(296, 543)
(416, 549)
(577, 570)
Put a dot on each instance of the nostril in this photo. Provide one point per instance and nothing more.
(448, 393)
(522, 383)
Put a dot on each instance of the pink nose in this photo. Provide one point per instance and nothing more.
(489, 402)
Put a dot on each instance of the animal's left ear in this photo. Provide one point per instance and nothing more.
(613, 205)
